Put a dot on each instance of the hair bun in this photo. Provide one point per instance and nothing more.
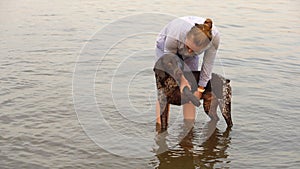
(208, 24)
(205, 28)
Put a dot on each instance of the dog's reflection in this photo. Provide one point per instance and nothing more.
(207, 150)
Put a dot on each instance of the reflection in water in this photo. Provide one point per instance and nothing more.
(195, 152)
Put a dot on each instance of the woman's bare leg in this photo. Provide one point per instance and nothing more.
(189, 111)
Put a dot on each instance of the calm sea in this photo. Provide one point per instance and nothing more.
(77, 89)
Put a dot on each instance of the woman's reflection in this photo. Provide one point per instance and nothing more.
(207, 150)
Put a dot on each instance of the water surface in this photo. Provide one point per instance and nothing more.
(41, 42)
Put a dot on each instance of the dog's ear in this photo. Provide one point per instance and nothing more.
(159, 69)
(160, 73)
(158, 65)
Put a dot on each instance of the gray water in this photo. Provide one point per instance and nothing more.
(43, 116)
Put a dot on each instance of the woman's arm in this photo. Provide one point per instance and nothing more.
(208, 62)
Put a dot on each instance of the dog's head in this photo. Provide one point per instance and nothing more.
(170, 64)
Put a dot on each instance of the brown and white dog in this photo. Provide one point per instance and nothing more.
(168, 70)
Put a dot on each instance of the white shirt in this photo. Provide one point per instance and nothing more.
(171, 40)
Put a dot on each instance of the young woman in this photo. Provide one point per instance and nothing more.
(189, 37)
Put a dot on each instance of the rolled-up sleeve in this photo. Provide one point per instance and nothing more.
(208, 61)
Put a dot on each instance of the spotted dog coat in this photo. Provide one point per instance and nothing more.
(168, 70)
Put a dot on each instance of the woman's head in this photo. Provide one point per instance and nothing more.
(199, 36)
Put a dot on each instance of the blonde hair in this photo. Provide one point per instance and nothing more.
(200, 34)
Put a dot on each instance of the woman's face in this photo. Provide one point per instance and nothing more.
(193, 48)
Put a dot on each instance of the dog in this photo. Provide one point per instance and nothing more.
(168, 70)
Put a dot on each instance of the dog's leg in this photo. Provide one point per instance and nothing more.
(226, 105)
(164, 117)
(210, 105)
(222, 89)
(163, 109)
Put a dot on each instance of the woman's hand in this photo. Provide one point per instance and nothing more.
(199, 92)
(183, 83)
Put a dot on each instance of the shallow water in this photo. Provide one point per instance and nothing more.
(51, 119)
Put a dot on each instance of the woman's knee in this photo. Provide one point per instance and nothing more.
(189, 111)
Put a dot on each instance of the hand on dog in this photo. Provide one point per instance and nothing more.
(183, 83)
(198, 94)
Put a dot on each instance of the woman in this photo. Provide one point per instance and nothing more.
(189, 37)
